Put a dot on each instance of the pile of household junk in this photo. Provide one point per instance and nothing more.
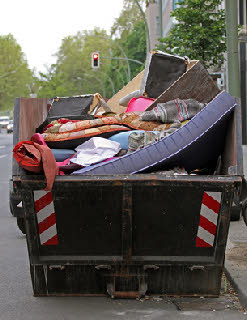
(170, 119)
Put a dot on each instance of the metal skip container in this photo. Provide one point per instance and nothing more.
(127, 235)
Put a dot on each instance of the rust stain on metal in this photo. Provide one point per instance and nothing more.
(126, 294)
(71, 295)
(117, 183)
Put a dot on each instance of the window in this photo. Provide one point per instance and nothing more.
(176, 4)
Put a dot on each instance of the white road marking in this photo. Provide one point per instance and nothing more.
(3, 156)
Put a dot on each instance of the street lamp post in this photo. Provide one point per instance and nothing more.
(146, 25)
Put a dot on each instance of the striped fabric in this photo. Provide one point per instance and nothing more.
(173, 110)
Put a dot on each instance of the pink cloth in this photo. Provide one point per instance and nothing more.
(139, 104)
(64, 167)
(36, 158)
(38, 138)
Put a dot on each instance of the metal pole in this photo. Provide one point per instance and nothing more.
(128, 65)
(125, 59)
(161, 18)
(242, 51)
(146, 25)
(232, 47)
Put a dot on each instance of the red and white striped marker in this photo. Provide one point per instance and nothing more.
(46, 217)
(208, 219)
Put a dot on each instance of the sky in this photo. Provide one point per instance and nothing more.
(40, 26)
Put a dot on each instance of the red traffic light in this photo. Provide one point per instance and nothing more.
(95, 60)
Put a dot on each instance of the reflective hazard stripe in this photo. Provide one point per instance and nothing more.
(44, 208)
(208, 219)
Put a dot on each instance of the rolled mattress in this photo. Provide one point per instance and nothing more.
(192, 146)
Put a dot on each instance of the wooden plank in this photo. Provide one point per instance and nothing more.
(195, 83)
(33, 112)
(133, 85)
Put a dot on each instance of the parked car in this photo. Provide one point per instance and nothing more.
(4, 121)
(10, 126)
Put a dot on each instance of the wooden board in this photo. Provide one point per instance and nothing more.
(32, 113)
(133, 85)
(195, 83)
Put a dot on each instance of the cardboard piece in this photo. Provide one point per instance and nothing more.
(133, 85)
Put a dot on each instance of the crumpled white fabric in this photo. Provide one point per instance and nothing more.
(95, 150)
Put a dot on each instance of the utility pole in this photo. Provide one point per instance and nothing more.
(161, 18)
(146, 25)
(232, 47)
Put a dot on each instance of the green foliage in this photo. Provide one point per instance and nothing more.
(199, 32)
(130, 42)
(15, 76)
(73, 74)
(135, 45)
(129, 16)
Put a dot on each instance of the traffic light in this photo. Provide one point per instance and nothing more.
(95, 60)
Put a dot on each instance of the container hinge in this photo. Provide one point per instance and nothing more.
(103, 266)
(151, 266)
(57, 267)
(192, 268)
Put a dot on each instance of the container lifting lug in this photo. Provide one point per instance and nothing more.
(151, 266)
(57, 267)
(103, 266)
(192, 268)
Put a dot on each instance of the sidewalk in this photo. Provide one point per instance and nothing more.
(236, 252)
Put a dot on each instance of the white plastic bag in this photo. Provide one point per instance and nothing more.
(95, 150)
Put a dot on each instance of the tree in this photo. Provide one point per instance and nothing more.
(129, 16)
(199, 32)
(72, 74)
(15, 76)
(129, 34)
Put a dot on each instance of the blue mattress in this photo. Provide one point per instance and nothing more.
(192, 146)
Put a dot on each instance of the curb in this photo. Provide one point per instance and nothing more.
(237, 283)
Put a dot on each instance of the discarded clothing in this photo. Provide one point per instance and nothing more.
(69, 135)
(122, 138)
(176, 109)
(138, 140)
(134, 121)
(70, 140)
(194, 145)
(65, 125)
(36, 158)
(38, 138)
(95, 150)
(65, 167)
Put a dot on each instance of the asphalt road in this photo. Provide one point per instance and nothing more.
(18, 303)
